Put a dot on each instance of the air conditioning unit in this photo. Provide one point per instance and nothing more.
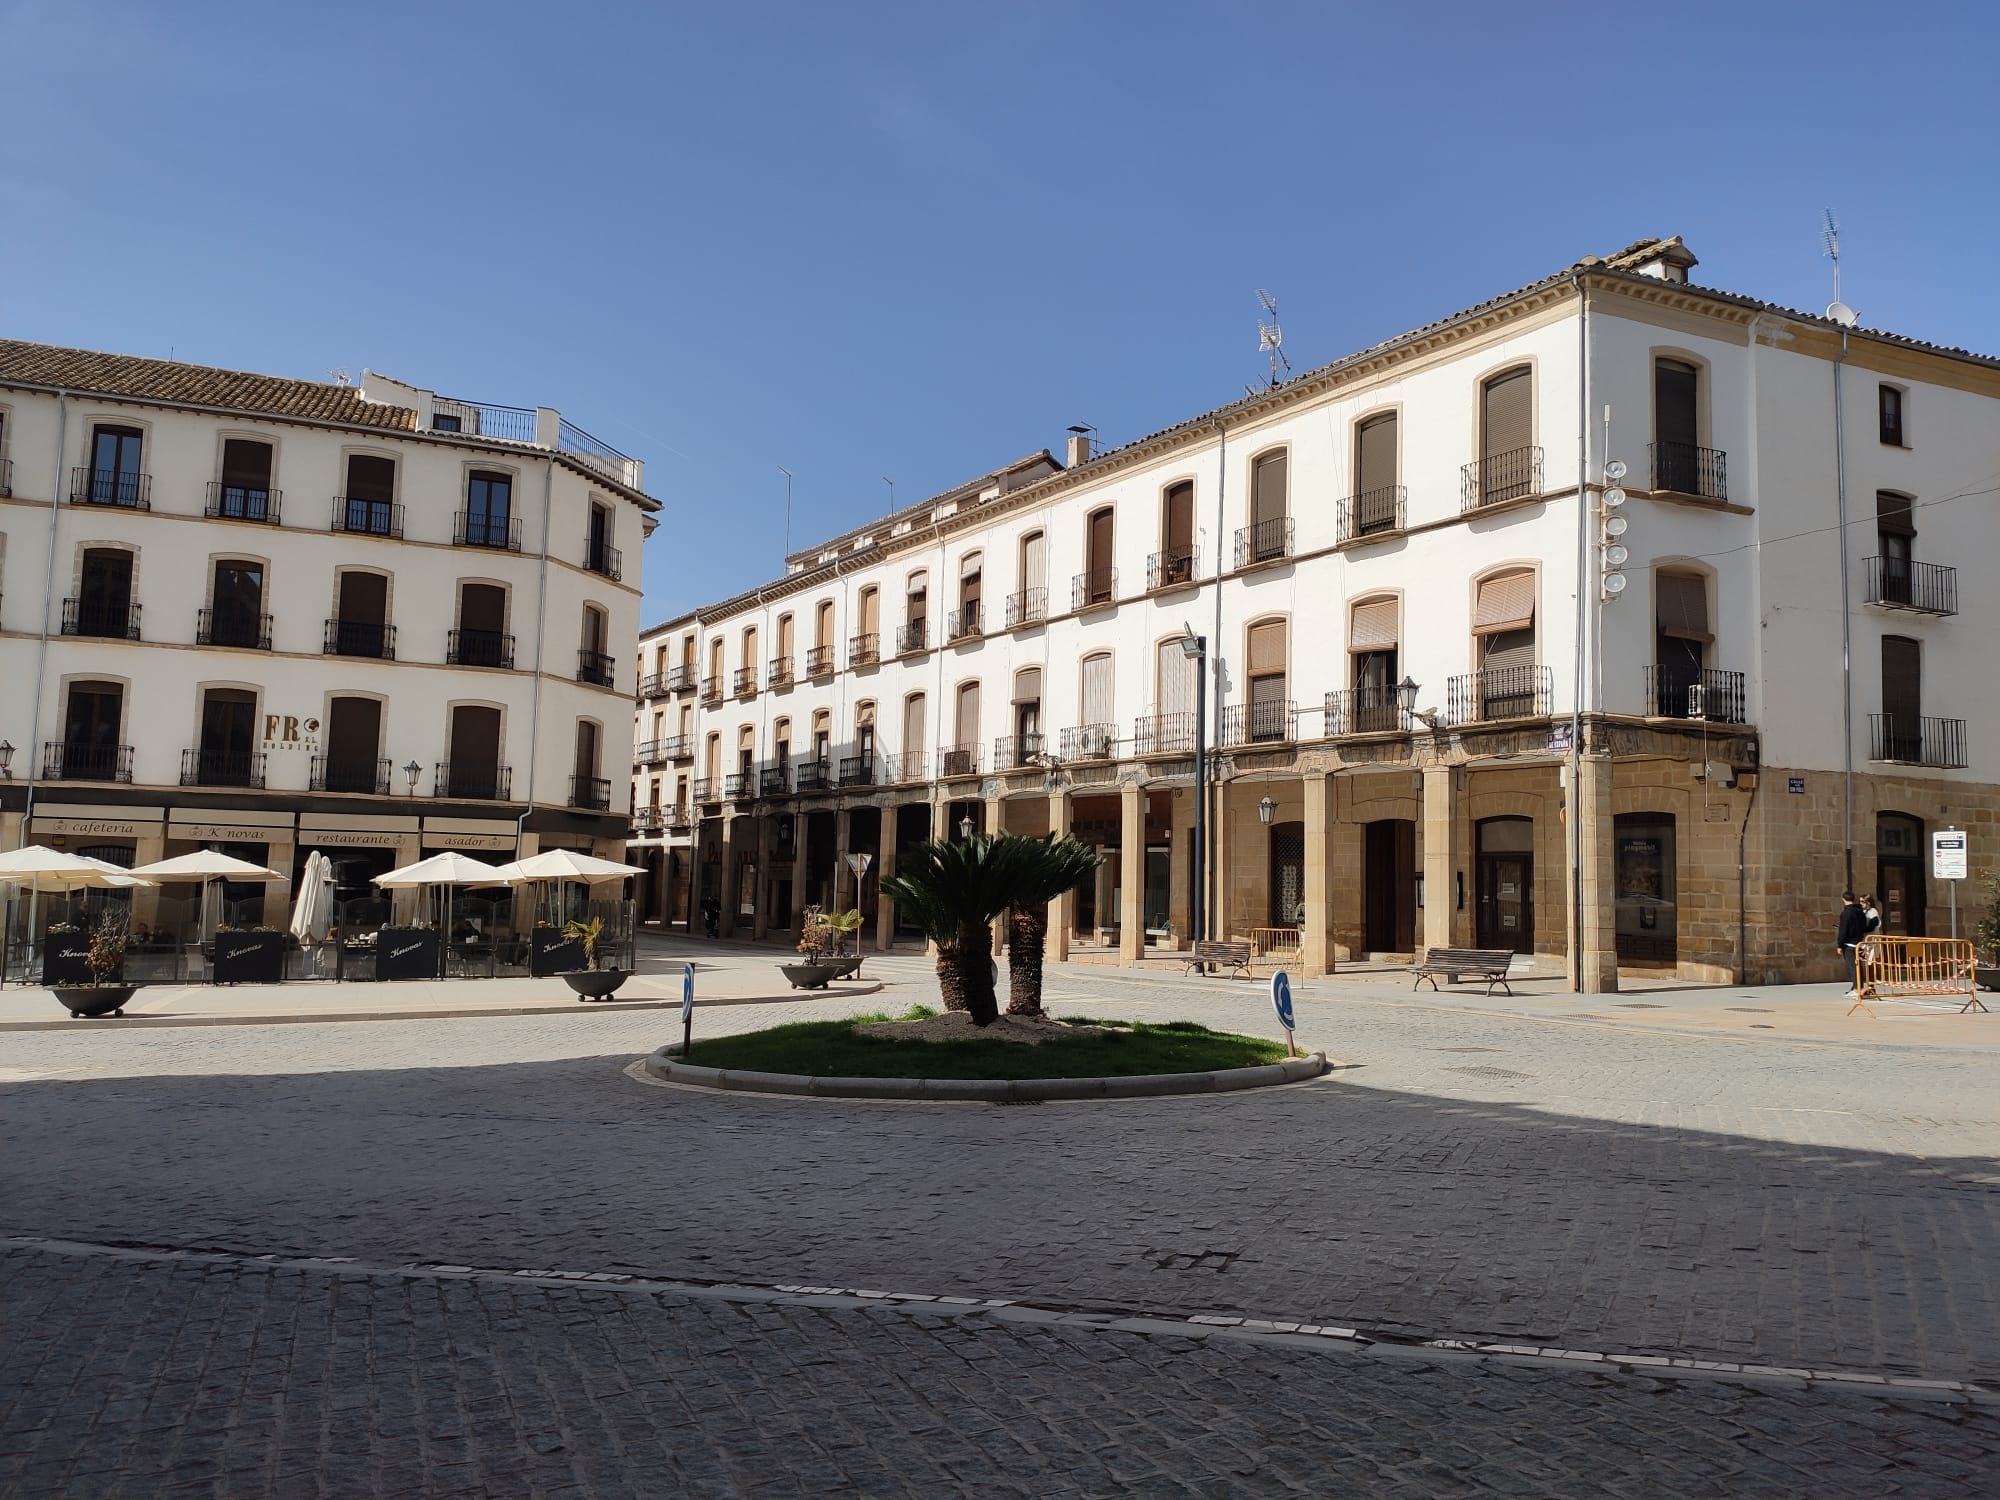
(1697, 702)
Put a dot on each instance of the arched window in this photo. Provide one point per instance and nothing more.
(1096, 732)
(1098, 582)
(966, 622)
(961, 758)
(1681, 639)
(1269, 534)
(1509, 464)
(1506, 685)
(1175, 562)
(1269, 715)
(1031, 602)
(1374, 637)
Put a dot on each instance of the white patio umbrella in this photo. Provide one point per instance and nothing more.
(37, 866)
(567, 864)
(312, 913)
(447, 869)
(211, 868)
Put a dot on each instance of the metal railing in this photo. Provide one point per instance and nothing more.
(360, 638)
(1093, 589)
(812, 776)
(573, 440)
(352, 773)
(958, 760)
(744, 683)
(118, 622)
(857, 770)
(602, 557)
(964, 623)
(779, 674)
(242, 502)
(678, 747)
(6, 476)
(1265, 541)
(206, 767)
(653, 685)
(229, 627)
(680, 818)
(1163, 734)
(1267, 722)
(516, 424)
(680, 679)
(73, 762)
(707, 789)
(1900, 583)
(1497, 693)
(648, 819)
(469, 646)
(592, 793)
(1686, 692)
(711, 689)
(1011, 751)
(737, 786)
(910, 765)
(1172, 567)
(598, 667)
(772, 781)
(1089, 742)
(1028, 607)
(913, 637)
(651, 753)
(1377, 512)
(1499, 477)
(1365, 710)
(367, 517)
(476, 783)
(864, 650)
(88, 486)
(1686, 469)
(476, 529)
(1911, 740)
(819, 661)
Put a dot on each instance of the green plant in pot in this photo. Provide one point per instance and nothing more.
(1986, 932)
(105, 995)
(591, 982)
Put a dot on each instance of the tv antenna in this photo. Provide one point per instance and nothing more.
(1271, 337)
(339, 376)
(1837, 311)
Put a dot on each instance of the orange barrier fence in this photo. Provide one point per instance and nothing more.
(1887, 968)
(1275, 946)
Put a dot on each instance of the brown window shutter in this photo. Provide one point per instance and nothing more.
(1267, 646)
(1505, 602)
(1508, 412)
(1893, 514)
(1097, 698)
(968, 713)
(1028, 685)
(1268, 487)
(1682, 600)
(1179, 528)
(1375, 467)
(1376, 626)
(1509, 648)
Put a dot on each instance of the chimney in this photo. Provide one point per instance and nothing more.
(1079, 446)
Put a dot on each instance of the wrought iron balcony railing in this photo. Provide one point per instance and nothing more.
(857, 770)
(680, 679)
(819, 661)
(1365, 710)
(707, 789)
(909, 765)
(1370, 513)
(958, 760)
(1268, 722)
(1163, 734)
(744, 684)
(592, 793)
(964, 623)
(1912, 740)
(1498, 693)
(132, 491)
(1013, 751)
(711, 689)
(648, 819)
(678, 747)
(598, 667)
(1923, 588)
(118, 622)
(1172, 567)
(1266, 541)
(472, 782)
(233, 627)
(773, 781)
(650, 753)
(653, 685)
(779, 674)
(470, 646)
(913, 637)
(739, 786)
(679, 818)
(1028, 607)
(1498, 477)
(360, 638)
(1094, 589)
(471, 528)
(1685, 469)
(367, 517)
(812, 776)
(210, 767)
(1683, 692)
(602, 557)
(864, 650)
(368, 774)
(64, 761)
(241, 502)
(1089, 742)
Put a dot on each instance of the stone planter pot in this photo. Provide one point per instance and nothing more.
(94, 999)
(809, 976)
(1988, 976)
(847, 966)
(595, 984)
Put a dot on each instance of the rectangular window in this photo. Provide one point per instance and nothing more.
(1676, 461)
(1895, 536)
(245, 493)
(1375, 497)
(115, 455)
(1891, 406)
(489, 500)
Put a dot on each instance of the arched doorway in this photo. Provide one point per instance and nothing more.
(1506, 880)
(1288, 875)
(1899, 873)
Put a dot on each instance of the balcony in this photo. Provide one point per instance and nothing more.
(591, 793)
(779, 673)
(913, 638)
(648, 819)
(206, 767)
(958, 760)
(1909, 740)
(857, 770)
(1365, 710)
(911, 765)
(88, 486)
(477, 529)
(819, 661)
(352, 773)
(1089, 742)
(651, 753)
(744, 683)
(367, 517)
(1012, 752)
(472, 647)
(1264, 723)
(864, 651)
(602, 558)
(1172, 568)
(707, 790)
(773, 781)
(1921, 588)
(241, 502)
(680, 679)
(1499, 477)
(812, 776)
(1094, 590)
(678, 746)
(6, 476)
(66, 762)
(1497, 693)
(964, 623)
(597, 667)
(1370, 513)
(1163, 734)
(653, 685)
(740, 786)
(111, 622)
(1267, 541)
(711, 690)
(360, 638)
(1029, 607)
(1683, 692)
(679, 818)
(230, 627)
(472, 782)
(1684, 469)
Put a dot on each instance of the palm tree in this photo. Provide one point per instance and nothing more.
(1047, 866)
(953, 891)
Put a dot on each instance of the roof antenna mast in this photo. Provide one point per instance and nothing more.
(1270, 337)
(1837, 311)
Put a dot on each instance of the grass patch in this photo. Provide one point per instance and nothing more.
(833, 1049)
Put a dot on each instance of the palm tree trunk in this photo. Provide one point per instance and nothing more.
(1029, 936)
(975, 973)
(951, 984)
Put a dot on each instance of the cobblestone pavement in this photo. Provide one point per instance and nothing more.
(1474, 1172)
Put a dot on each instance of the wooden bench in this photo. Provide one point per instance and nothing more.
(1490, 964)
(1234, 957)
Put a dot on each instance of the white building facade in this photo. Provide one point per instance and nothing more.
(276, 616)
(1431, 722)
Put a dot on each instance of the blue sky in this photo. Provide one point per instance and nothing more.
(918, 241)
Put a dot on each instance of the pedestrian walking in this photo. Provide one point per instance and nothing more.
(1852, 929)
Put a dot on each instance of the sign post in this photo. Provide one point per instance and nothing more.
(1948, 863)
(687, 1010)
(1281, 1001)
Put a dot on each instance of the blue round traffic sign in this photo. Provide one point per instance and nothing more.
(1281, 999)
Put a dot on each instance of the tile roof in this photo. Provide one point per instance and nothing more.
(195, 385)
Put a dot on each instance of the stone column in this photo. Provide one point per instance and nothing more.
(1590, 800)
(1220, 915)
(726, 876)
(1062, 910)
(885, 866)
(1441, 852)
(799, 827)
(843, 823)
(990, 816)
(1316, 943)
(1132, 874)
(760, 921)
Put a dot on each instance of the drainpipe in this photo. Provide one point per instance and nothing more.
(1742, 891)
(1573, 803)
(48, 603)
(541, 623)
(1846, 624)
(1214, 665)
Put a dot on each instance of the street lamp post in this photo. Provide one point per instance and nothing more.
(1195, 648)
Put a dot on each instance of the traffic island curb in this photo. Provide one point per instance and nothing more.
(667, 1068)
